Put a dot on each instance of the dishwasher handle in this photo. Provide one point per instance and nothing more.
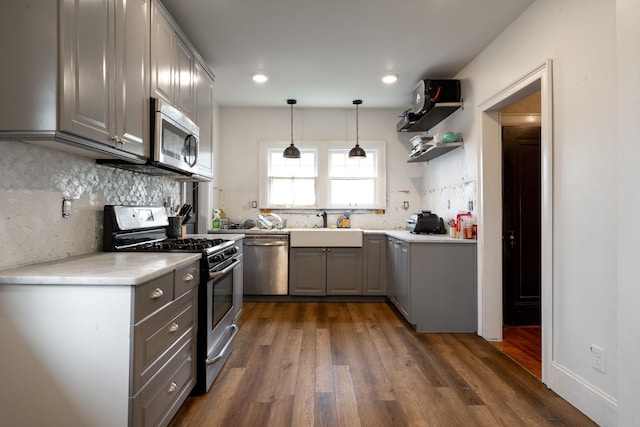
(265, 243)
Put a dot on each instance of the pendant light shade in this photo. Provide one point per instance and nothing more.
(357, 152)
(291, 152)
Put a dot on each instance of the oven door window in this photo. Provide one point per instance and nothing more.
(222, 298)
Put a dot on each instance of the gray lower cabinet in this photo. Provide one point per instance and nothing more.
(99, 354)
(398, 275)
(374, 272)
(433, 285)
(164, 346)
(325, 271)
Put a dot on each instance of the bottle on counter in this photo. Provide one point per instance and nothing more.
(216, 221)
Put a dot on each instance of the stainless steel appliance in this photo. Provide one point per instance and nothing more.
(142, 228)
(175, 138)
(266, 264)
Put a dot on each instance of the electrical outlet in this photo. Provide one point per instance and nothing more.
(66, 207)
(598, 360)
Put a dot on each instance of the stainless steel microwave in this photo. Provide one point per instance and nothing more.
(175, 138)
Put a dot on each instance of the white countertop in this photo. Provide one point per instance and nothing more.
(101, 268)
(426, 238)
(398, 234)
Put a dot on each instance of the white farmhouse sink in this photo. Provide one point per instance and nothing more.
(325, 237)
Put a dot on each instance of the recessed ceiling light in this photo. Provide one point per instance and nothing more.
(390, 78)
(259, 77)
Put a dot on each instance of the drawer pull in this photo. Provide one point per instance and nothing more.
(172, 388)
(156, 294)
(174, 327)
(188, 277)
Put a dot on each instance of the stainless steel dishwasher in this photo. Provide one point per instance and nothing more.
(266, 264)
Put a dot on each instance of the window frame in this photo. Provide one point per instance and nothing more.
(323, 181)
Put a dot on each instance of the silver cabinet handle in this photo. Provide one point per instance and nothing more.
(157, 293)
(172, 387)
(188, 277)
(174, 327)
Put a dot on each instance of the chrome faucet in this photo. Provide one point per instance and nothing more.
(323, 214)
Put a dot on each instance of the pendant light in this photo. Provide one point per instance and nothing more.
(291, 152)
(357, 152)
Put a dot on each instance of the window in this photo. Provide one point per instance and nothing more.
(323, 177)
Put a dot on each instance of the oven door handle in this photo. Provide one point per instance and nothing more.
(214, 359)
(217, 274)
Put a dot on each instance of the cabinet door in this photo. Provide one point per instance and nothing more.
(171, 63)
(403, 284)
(307, 271)
(88, 52)
(183, 76)
(344, 271)
(162, 62)
(132, 76)
(375, 265)
(392, 269)
(204, 118)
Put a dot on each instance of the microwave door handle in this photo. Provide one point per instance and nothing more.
(190, 151)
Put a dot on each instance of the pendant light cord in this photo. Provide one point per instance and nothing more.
(291, 124)
(357, 127)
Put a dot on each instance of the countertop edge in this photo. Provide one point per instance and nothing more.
(98, 269)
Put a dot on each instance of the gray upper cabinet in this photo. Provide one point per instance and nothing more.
(172, 62)
(105, 53)
(74, 61)
(204, 103)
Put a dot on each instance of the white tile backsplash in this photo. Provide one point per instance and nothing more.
(34, 180)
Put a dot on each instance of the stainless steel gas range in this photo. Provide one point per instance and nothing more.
(143, 228)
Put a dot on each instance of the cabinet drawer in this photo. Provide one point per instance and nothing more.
(157, 400)
(156, 339)
(186, 278)
(152, 296)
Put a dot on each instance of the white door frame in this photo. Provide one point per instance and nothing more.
(490, 208)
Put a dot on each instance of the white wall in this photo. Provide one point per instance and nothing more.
(241, 130)
(580, 37)
(628, 177)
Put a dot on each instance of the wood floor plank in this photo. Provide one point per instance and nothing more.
(346, 402)
(342, 364)
(304, 399)
(324, 362)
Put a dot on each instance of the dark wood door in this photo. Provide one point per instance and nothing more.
(521, 278)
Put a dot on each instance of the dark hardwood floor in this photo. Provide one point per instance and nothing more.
(358, 364)
(524, 345)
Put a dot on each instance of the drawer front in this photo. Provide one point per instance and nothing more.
(157, 401)
(156, 339)
(186, 278)
(153, 296)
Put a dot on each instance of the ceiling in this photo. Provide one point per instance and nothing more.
(326, 53)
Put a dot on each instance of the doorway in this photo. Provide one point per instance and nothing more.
(490, 237)
(521, 288)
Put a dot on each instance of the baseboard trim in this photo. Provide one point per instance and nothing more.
(593, 402)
